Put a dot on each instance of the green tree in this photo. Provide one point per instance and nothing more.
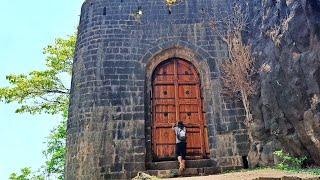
(43, 91)
(56, 151)
(46, 91)
(26, 174)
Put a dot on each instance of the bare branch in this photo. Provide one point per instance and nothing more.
(238, 69)
(51, 101)
(57, 91)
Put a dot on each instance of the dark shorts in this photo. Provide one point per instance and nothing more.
(181, 149)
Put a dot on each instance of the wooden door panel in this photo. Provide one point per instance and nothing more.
(164, 91)
(165, 78)
(193, 141)
(162, 108)
(185, 69)
(190, 118)
(158, 101)
(186, 78)
(193, 108)
(165, 135)
(165, 142)
(188, 91)
(186, 73)
(193, 151)
(165, 151)
(189, 113)
(165, 69)
(176, 96)
(165, 118)
(165, 73)
(188, 101)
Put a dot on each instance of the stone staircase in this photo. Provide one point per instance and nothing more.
(166, 169)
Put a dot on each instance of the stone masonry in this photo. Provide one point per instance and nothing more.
(120, 42)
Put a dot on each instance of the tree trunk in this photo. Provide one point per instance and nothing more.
(248, 120)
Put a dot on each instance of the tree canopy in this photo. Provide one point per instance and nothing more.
(26, 174)
(45, 91)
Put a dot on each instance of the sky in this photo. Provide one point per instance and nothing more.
(26, 27)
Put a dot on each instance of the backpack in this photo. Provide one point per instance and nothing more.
(181, 135)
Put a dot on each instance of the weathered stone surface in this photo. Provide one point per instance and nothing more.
(282, 106)
(188, 172)
(167, 165)
(110, 119)
(109, 126)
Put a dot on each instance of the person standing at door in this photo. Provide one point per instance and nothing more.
(181, 144)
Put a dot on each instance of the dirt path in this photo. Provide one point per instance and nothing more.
(249, 175)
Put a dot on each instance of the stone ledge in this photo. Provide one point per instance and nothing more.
(167, 165)
(188, 172)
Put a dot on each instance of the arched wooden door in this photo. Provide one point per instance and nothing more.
(177, 96)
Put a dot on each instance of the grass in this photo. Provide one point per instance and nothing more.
(313, 170)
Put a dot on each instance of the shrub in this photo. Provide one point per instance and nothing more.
(288, 162)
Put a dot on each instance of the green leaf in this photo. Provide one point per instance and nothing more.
(44, 91)
(26, 174)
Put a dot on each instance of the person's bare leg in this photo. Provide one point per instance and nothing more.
(183, 163)
(180, 164)
(180, 159)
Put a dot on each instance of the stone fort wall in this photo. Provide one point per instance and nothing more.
(109, 117)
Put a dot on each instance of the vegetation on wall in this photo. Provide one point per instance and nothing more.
(238, 69)
(287, 162)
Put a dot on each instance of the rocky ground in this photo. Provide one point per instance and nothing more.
(265, 174)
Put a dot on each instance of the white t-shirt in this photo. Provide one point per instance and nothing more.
(177, 130)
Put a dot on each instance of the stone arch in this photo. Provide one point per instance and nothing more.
(161, 46)
(176, 51)
(161, 53)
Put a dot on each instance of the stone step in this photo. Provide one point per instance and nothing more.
(167, 165)
(187, 172)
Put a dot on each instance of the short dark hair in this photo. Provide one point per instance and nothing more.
(180, 124)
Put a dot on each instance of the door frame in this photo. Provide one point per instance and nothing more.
(201, 66)
(174, 62)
